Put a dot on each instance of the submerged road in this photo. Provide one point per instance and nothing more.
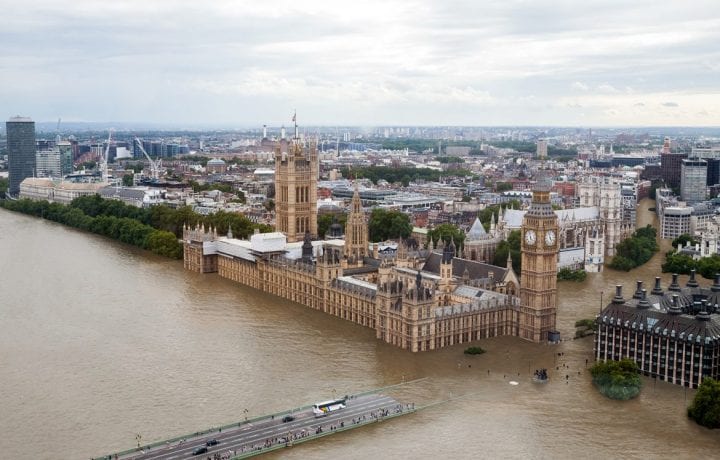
(264, 434)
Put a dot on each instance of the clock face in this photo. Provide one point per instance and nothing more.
(530, 237)
(550, 238)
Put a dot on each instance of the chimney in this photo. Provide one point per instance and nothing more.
(638, 290)
(716, 285)
(674, 286)
(657, 290)
(618, 299)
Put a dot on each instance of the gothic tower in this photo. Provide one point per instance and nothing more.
(538, 279)
(296, 172)
(356, 230)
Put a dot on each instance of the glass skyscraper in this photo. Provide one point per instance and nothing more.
(21, 151)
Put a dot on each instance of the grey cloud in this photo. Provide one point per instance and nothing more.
(670, 104)
(220, 55)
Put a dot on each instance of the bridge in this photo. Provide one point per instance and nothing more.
(271, 432)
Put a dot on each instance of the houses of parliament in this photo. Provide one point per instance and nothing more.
(417, 299)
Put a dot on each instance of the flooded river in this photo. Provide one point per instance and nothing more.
(102, 342)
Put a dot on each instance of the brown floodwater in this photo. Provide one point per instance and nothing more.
(101, 342)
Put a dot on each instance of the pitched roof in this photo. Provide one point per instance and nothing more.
(477, 231)
(476, 270)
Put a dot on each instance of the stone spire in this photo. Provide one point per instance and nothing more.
(356, 230)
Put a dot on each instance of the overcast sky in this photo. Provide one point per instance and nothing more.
(363, 62)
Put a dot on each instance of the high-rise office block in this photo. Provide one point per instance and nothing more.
(48, 163)
(693, 180)
(21, 151)
(542, 147)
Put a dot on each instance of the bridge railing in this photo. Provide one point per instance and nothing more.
(198, 434)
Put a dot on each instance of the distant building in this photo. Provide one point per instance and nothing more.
(66, 157)
(56, 191)
(693, 180)
(542, 147)
(670, 165)
(48, 163)
(21, 151)
(216, 166)
(675, 221)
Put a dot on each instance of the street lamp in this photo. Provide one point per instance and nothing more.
(138, 438)
(245, 411)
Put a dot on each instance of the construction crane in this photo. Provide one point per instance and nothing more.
(155, 166)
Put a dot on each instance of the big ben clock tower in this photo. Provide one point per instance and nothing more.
(538, 278)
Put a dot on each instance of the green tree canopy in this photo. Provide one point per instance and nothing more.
(683, 240)
(705, 407)
(617, 379)
(445, 233)
(387, 224)
(512, 246)
(326, 220)
(636, 250)
(127, 180)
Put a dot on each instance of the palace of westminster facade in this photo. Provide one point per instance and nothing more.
(415, 299)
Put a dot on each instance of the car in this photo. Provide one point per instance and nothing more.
(200, 450)
(288, 418)
(212, 442)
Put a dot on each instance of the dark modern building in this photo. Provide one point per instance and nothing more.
(672, 334)
(671, 164)
(21, 151)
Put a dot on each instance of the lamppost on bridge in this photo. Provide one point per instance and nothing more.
(138, 438)
(245, 411)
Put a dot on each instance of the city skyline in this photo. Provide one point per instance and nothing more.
(404, 63)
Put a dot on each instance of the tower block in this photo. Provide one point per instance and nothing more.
(296, 173)
(538, 279)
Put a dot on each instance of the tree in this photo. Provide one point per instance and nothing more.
(165, 244)
(446, 233)
(388, 224)
(683, 240)
(705, 407)
(503, 186)
(127, 180)
(617, 379)
(511, 246)
(326, 220)
(636, 250)
(4, 184)
(678, 263)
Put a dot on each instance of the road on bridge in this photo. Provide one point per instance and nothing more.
(260, 435)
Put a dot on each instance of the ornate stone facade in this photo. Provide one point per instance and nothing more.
(296, 173)
(414, 300)
(356, 231)
(538, 280)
